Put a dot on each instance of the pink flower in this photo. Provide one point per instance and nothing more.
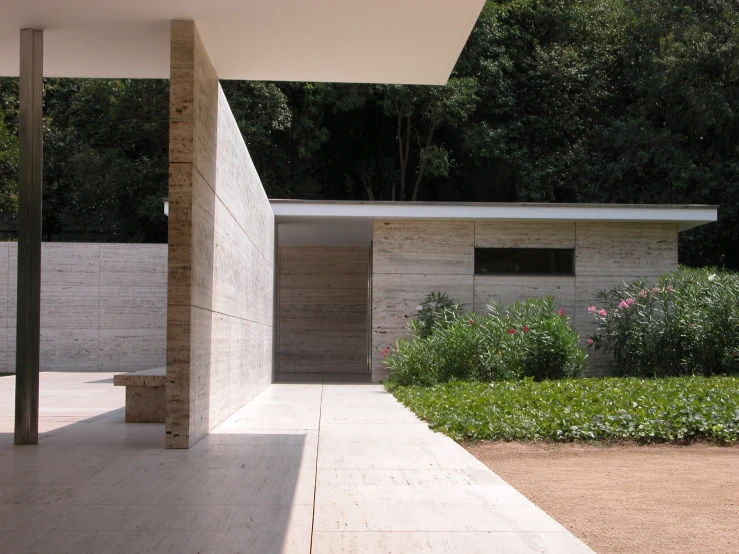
(623, 304)
(591, 309)
(525, 329)
(629, 301)
(590, 342)
(471, 322)
(643, 293)
(562, 312)
(669, 288)
(602, 313)
(655, 290)
(385, 352)
(511, 331)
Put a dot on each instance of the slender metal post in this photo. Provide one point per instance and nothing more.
(29, 238)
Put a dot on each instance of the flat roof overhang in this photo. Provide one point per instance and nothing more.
(348, 223)
(361, 41)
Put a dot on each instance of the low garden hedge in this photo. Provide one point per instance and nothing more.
(527, 339)
(680, 409)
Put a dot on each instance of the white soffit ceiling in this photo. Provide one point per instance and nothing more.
(378, 41)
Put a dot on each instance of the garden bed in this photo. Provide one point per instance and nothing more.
(682, 409)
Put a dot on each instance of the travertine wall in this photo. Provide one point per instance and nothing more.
(221, 254)
(103, 306)
(412, 258)
(322, 308)
(409, 260)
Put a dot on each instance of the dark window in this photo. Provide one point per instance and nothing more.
(536, 261)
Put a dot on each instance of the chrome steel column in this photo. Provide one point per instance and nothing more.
(29, 238)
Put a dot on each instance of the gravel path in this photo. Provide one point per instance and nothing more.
(629, 499)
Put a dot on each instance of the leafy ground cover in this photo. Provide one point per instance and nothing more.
(680, 409)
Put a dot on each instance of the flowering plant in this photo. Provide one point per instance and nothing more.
(688, 324)
(529, 339)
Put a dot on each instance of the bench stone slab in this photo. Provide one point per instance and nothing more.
(146, 395)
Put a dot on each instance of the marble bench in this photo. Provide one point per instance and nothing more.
(146, 399)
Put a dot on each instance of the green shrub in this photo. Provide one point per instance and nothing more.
(436, 310)
(688, 324)
(677, 409)
(530, 340)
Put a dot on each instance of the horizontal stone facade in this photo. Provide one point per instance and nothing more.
(412, 258)
(323, 322)
(103, 306)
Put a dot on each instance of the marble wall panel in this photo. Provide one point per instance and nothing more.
(125, 266)
(396, 296)
(504, 291)
(102, 292)
(70, 307)
(323, 352)
(323, 310)
(193, 109)
(423, 246)
(239, 187)
(10, 348)
(221, 254)
(324, 262)
(411, 258)
(68, 349)
(626, 249)
(131, 349)
(69, 264)
(7, 365)
(179, 377)
(203, 241)
(606, 255)
(529, 234)
(323, 296)
(242, 279)
(220, 367)
(201, 368)
(179, 224)
(5, 261)
(133, 307)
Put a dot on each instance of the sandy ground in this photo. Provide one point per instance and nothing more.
(624, 499)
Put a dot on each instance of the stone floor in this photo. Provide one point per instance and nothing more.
(302, 468)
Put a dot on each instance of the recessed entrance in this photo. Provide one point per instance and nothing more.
(323, 302)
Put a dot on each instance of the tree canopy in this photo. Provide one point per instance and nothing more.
(551, 101)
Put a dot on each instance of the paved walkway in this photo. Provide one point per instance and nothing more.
(302, 468)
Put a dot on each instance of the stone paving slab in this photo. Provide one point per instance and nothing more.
(303, 468)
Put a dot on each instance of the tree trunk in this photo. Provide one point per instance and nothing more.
(422, 163)
(400, 146)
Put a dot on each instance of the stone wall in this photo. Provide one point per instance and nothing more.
(412, 258)
(221, 254)
(103, 306)
(323, 309)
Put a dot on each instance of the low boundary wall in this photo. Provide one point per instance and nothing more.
(103, 306)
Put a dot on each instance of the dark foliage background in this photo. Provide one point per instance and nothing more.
(551, 101)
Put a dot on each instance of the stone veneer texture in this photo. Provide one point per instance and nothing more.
(103, 306)
(323, 309)
(412, 258)
(220, 326)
